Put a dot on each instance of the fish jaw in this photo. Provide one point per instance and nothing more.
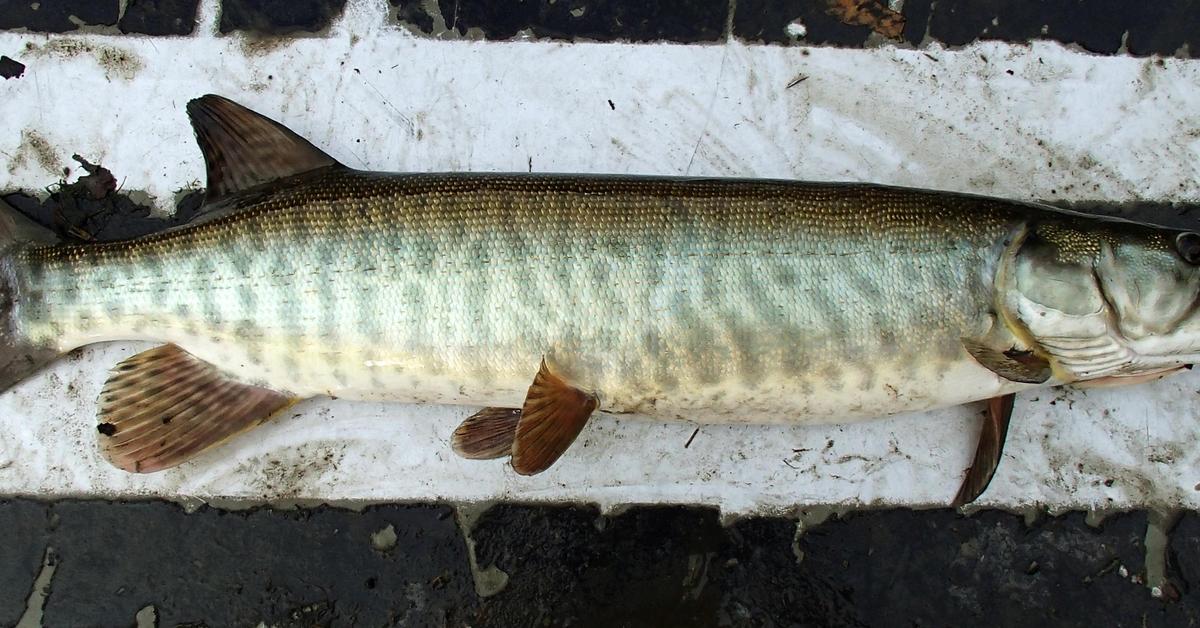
(1103, 302)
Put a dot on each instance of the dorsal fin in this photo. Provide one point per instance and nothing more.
(243, 149)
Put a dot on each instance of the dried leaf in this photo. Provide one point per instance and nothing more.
(870, 13)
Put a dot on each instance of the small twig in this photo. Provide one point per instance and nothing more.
(1112, 564)
(796, 81)
(693, 437)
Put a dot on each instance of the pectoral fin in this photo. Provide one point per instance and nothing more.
(553, 415)
(161, 407)
(987, 453)
(487, 434)
(1012, 364)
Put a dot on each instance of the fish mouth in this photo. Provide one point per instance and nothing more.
(1111, 355)
(1159, 353)
(1148, 352)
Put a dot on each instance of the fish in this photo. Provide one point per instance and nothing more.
(546, 299)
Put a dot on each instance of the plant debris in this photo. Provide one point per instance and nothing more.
(870, 13)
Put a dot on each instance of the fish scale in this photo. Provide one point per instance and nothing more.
(676, 300)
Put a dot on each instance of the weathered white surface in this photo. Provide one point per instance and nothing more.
(1062, 125)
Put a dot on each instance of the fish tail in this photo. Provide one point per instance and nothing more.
(19, 357)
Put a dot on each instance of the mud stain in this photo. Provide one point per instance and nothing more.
(41, 149)
(36, 148)
(489, 580)
(422, 18)
(291, 473)
(36, 603)
(116, 62)
(147, 617)
(261, 46)
(384, 540)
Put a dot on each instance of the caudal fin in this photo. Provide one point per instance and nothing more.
(19, 358)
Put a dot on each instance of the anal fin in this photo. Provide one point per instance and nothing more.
(987, 453)
(164, 406)
(552, 417)
(487, 434)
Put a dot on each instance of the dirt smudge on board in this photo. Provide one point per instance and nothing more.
(117, 62)
(34, 147)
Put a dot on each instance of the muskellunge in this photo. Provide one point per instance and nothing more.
(547, 297)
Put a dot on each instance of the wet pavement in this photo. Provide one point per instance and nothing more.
(573, 566)
(1167, 27)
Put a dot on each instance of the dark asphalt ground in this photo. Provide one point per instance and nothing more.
(1163, 27)
(571, 566)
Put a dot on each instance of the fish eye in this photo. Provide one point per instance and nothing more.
(1188, 245)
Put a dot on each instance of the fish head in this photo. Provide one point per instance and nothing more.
(1107, 299)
